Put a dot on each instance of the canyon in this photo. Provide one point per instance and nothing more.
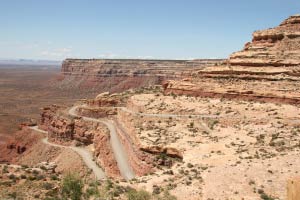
(199, 129)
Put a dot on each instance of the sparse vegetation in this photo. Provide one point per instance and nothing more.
(72, 187)
(134, 194)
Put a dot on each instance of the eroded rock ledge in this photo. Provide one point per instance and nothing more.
(133, 67)
(266, 70)
(118, 75)
(279, 46)
(67, 130)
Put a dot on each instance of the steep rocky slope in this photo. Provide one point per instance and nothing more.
(68, 130)
(267, 70)
(279, 46)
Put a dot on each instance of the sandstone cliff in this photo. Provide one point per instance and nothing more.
(279, 46)
(102, 75)
(267, 70)
(132, 68)
(68, 130)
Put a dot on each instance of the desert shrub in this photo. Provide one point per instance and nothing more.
(71, 187)
(48, 186)
(23, 176)
(35, 172)
(263, 195)
(92, 190)
(31, 178)
(40, 177)
(109, 184)
(192, 124)
(212, 124)
(168, 196)
(266, 197)
(118, 190)
(13, 195)
(190, 165)
(50, 198)
(133, 194)
(5, 169)
(163, 156)
(12, 177)
(54, 177)
(24, 166)
(156, 189)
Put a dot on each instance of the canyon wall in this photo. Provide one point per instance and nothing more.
(133, 68)
(101, 75)
(67, 130)
(266, 70)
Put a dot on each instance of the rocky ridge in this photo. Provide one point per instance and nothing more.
(278, 47)
(269, 63)
(133, 68)
(118, 75)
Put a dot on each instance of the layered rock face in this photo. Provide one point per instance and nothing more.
(104, 105)
(132, 68)
(119, 75)
(65, 129)
(267, 70)
(279, 46)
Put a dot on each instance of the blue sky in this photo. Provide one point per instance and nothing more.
(165, 29)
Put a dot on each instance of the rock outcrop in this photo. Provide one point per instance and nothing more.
(65, 129)
(266, 70)
(104, 154)
(132, 68)
(278, 47)
(17, 145)
(103, 75)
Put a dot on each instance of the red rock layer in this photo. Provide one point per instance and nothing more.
(266, 70)
(104, 154)
(279, 46)
(141, 162)
(100, 112)
(18, 144)
(119, 75)
(65, 129)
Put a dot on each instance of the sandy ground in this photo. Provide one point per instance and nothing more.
(249, 150)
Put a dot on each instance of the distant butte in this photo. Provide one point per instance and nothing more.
(117, 75)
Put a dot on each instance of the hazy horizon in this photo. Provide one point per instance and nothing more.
(55, 30)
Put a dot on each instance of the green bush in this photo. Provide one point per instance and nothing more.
(31, 178)
(54, 177)
(133, 194)
(40, 177)
(13, 195)
(92, 190)
(23, 176)
(12, 176)
(48, 186)
(5, 169)
(168, 196)
(72, 187)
